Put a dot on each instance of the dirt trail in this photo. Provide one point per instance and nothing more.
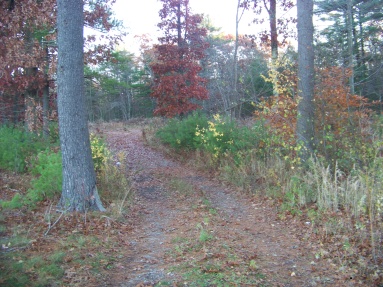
(239, 230)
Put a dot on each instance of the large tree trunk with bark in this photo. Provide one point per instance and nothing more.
(305, 121)
(79, 191)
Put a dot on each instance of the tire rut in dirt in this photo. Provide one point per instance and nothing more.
(251, 226)
(148, 260)
(280, 253)
(144, 267)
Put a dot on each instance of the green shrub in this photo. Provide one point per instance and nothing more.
(47, 169)
(218, 136)
(100, 153)
(180, 134)
(15, 202)
(16, 146)
(48, 183)
(227, 138)
(54, 132)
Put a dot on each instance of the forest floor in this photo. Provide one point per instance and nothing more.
(197, 232)
(183, 228)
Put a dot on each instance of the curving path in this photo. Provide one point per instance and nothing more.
(240, 223)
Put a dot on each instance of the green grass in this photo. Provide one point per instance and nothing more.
(205, 236)
(205, 274)
(21, 268)
(57, 257)
(204, 260)
(17, 146)
(181, 186)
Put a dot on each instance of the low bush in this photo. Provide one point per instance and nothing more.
(17, 146)
(46, 166)
(100, 152)
(180, 134)
(224, 138)
(48, 181)
(114, 184)
(219, 137)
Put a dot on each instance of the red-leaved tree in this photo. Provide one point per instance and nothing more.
(177, 84)
(28, 50)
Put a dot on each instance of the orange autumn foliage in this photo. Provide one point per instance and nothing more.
(339, 115)
(334, 105)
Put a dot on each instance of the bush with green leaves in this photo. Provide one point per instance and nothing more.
(15, 202)
(54, 132)
(47, 169)
(218, 136)
(100, 153)
(180, 133)
(16, 146)
(48, 181)
(226, 137)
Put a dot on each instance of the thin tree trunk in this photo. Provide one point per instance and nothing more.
(235, 60)
(46, 98)
(361, 36)
(305, 121)
(179, 32)
(79, 191)
(16, 108)
(273, 30)
(46, 111)
(274, 42)
(238, 18)
(350, 46)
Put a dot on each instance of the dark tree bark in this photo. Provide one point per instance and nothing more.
(305, 121)
(272, 11)
(46, 110)
(273, 29)
(350, 27)
(79, 191)
(235, 96)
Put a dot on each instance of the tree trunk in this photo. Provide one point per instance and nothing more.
(305, 121)
(16, 109)
(362, 58)
(273, 29)
(349, 19)
(46, 110)
(46, 98)
(79, 191)
(274, 43)
(235, 60)
(179, 32)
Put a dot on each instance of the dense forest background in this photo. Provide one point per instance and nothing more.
(236, 69)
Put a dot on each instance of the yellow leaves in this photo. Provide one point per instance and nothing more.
(213, 137)
(217, 118)
(282, 74)
(100, 153)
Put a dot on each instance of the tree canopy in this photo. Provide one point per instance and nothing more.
(177, 84)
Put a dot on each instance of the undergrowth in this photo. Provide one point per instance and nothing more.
(114, 184)
(218, 136)
(40, 247)
(46, 167)
(341, 198)
(17, 146)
